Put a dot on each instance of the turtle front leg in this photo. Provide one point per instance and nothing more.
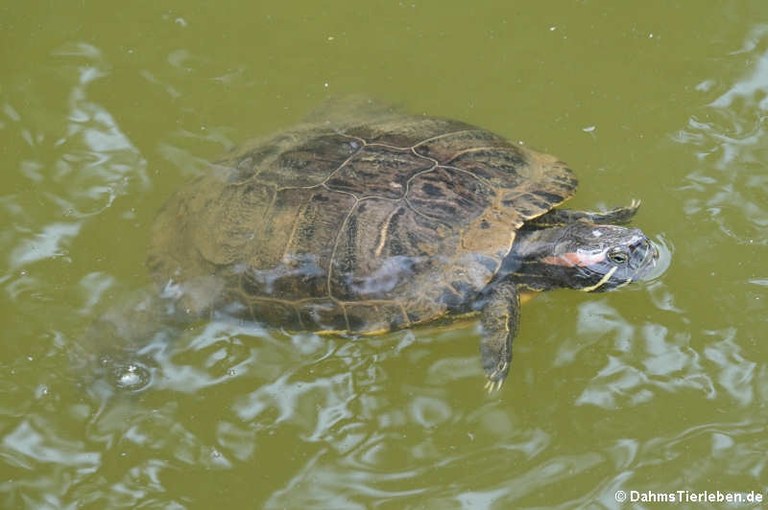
(559, 217)
(499, 319)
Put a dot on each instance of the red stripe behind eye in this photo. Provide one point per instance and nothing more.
(574, 258)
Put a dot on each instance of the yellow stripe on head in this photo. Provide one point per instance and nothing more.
(602, 281)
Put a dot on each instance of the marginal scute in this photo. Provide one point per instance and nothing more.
(323, 314)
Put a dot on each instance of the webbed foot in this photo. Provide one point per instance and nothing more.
(559, 217)
(496, 378)
(618, 215)
(499, 319)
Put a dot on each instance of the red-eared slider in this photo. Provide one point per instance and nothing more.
(383, 222)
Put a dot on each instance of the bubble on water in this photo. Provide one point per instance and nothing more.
(131, 376)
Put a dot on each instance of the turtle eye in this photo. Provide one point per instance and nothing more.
(618, 256)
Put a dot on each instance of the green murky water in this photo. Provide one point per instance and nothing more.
(105, 108)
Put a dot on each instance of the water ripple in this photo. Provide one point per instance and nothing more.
(94, 161)
(730, 138)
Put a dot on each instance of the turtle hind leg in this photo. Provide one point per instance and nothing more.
(499, 319)
(559, 217)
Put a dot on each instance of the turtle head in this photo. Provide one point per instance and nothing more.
(585, 256)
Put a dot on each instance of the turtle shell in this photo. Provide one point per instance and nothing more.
(359, 226)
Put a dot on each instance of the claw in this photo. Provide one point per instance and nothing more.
(496, 378)
(492, 386)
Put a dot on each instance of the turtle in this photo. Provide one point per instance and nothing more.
(371, 223)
